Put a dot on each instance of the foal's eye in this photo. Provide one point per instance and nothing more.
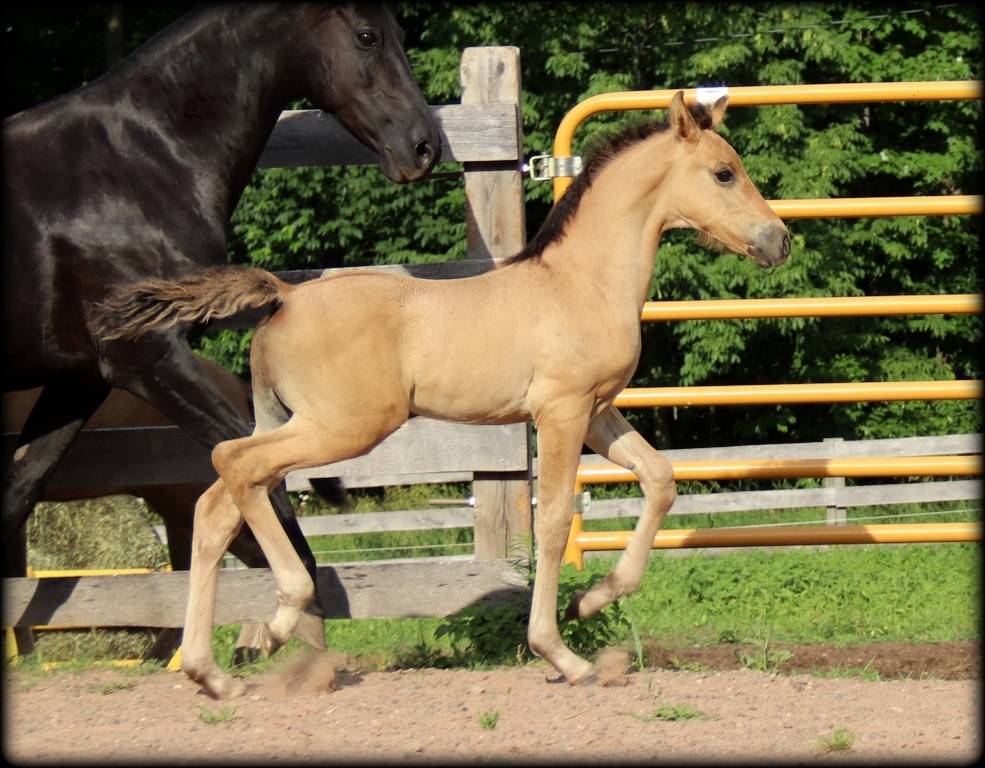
(724, 175)
(366, 39)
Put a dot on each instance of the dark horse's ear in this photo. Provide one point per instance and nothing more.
(681, 120)
(718, 111)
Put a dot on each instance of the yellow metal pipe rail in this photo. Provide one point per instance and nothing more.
(581, 541)
(773, 394)
(816, 306)
(859, 207)
(809, 307)
(766, 469)
(762, 95)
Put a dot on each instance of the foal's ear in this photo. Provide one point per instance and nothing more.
(718, 111)
(681, 120)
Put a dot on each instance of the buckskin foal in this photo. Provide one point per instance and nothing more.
(552, 336)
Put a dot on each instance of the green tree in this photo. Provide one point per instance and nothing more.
(570, 51)
(324, 217)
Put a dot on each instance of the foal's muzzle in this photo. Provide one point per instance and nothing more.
(772, 247)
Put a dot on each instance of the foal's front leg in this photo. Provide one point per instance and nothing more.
(611, 436)
(559, 441)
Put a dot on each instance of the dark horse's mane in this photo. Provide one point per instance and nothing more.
(599, 151)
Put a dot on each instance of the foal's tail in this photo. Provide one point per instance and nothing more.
(211, 294)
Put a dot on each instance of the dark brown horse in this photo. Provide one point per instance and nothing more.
(137, 175)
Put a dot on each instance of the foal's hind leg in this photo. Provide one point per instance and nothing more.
(253, 465)
(217, 520)
(612, 437)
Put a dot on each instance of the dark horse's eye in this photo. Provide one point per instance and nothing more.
(367, 39)
(724, 175)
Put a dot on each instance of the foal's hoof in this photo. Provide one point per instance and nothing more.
(228, 688)
(583, 676)
(219, 685)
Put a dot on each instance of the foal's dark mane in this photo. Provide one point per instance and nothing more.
(599, 151)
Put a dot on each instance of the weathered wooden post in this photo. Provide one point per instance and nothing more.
(837, 515)
(496, 228)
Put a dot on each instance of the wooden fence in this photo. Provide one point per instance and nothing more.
(484, 133)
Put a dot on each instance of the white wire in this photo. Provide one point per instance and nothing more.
(869, 517)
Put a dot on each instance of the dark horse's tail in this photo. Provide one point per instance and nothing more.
(212, 294)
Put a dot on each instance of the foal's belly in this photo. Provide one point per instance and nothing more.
(470, 398)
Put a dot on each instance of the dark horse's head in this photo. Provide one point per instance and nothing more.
(356, 49)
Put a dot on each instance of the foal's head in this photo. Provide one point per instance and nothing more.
(713, 193)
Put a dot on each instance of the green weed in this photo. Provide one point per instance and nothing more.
(498, 635)
(865, 673)
(679, 711)
(767, 658)
(838, 740)
(689, 666)
(224, 715)
(488, 720)
(107, 688)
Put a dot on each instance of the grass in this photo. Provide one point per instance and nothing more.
(844, 594)
(223, 715)
(488, 720)
(669, 712)
(839, 740)
(864, 673)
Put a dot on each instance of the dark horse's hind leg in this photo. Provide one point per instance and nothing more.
(15, 564)
(53, 424)
(55, 421)
(162, 370)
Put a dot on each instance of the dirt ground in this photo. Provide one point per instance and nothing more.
(927, 709)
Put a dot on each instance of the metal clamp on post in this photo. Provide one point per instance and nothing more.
(583, 502)
(547, 167)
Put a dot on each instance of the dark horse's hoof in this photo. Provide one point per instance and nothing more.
(243, 656)
(571, 612)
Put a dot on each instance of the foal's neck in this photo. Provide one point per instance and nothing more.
(612, 239)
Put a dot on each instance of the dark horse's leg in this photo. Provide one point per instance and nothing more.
(54, 422)
(161, 368)
(56, 419)
(15, 564)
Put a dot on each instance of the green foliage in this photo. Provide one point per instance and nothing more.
(222, 715)
(839, 740)
(340, 216)
(487, 720)
(327, 217)
(766, 658)
(498, 635)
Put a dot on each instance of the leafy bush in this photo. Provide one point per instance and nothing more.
(498, 635)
